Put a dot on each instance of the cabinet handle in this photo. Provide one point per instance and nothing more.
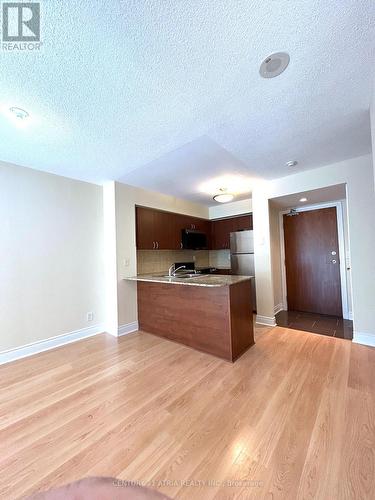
(153, 245)
(157, 245)
(181, 246)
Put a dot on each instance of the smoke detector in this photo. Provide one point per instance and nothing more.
(274, 65)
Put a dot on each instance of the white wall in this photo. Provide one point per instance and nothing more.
(127, 197)
(372, 120)
(51, 255)
(230, 209)
(357, 173)
(275, 244)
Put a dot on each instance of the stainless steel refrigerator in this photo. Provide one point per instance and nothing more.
(242, 257)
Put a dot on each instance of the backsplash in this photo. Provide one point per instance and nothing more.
(151, 261)
(219, 258)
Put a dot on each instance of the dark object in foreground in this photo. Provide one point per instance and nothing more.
(100, 488)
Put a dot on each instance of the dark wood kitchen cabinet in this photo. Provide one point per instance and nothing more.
(145, 228)
(244, 222)
(221, 229)
(159, 230)
(154, 229)
(182, 222)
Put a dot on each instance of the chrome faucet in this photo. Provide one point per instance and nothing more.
(172, 270)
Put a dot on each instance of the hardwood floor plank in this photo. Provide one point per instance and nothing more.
(357, 472)
(321, 468)
(293, 418)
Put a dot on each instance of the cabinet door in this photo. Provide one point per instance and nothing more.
(199, 224)
(229, 226)
(220, 234)
(163, 230)
(244, 222)
(213, 231)
(221, 229)
(181, 222)
(145, 218)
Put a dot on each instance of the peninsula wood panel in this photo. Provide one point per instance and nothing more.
(197, 316)
(241, 316)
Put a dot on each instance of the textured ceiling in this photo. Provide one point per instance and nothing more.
(167, 95)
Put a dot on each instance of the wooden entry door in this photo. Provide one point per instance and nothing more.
(312, 262)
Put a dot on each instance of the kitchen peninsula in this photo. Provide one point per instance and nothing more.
(211, 313)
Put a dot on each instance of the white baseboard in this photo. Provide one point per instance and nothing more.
(44, 345)
(128, 328)
(364, 338)
(266, 320)
(279, 307)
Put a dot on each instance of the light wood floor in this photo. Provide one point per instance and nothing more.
(293, 418)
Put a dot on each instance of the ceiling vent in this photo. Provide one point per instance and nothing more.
(274, 65)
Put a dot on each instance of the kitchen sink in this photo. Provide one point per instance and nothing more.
(185, 276)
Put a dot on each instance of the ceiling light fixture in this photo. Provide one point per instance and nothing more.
(223, 196)
(19, 113)
(274, 65)
(302, 200)
(291, 163)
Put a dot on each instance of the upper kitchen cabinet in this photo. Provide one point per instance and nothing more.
(145, 223)
(163, 230)
(186, 222)
(221, 229)
(158, 230)
(154, 229)
(244, 222)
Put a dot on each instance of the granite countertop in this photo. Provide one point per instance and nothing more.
(209, 280)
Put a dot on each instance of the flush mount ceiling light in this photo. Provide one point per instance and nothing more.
(234, 184)
(274, 65)
(302, 200)
(223, 196)
(291, 163)
(19, 113)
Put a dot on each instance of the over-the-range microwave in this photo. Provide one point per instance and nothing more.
(192, 239)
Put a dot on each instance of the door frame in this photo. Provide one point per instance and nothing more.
(342, 251)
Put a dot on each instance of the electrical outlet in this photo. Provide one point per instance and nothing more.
(90, 316)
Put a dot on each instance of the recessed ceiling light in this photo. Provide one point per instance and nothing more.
(291, 163)
(223, 196)
(303, 199)
(274, 65)
(19, 113)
